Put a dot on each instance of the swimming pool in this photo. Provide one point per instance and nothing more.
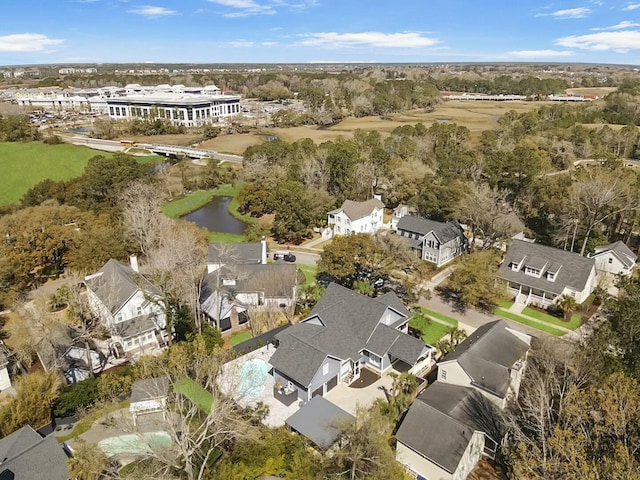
(252, 377)
(133, 444)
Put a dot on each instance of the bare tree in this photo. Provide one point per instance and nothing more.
(600, 195)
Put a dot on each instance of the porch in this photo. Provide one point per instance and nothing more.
(531, 296)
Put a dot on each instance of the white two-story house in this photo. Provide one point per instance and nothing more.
(357, 217)
(128, 304)
(537, 274)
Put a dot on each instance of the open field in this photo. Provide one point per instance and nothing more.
(235, 144)
(597, 91)
(476, 116)
(25, 164)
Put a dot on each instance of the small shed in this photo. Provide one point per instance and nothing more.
(149, 396)
(319, 420)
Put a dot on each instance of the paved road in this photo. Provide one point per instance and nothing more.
(473, 317)
(303, 258)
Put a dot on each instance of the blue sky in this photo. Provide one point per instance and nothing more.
(276, 31)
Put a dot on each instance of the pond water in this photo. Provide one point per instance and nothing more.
(215, 216)
(79, 130)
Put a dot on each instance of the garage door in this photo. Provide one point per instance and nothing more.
(317, 391)
(332, 383)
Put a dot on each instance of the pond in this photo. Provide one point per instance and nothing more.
(79, 130)
(215, 216)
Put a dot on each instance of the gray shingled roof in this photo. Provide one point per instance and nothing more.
(621, 251)
(135, 326)
(349, 322)
(357, 210)
(236, 254)
(422, 226)
(115, 283)
(441, 422)
(274, 280)
(574, 272)
(320, 421)
(149, 389)
(488, 354)
(27, 456)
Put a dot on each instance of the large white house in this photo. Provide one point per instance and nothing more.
(357, 217)
(538, 274)
(128, 305)
(615, 259)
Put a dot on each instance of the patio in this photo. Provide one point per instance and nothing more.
(349, 399)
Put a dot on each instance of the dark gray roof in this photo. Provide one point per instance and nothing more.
(28, 456)
(574, 273)
(296, 359)
(405, 347)
(488, 354)
(357, 210)
(320, 421)
(236, 253)
(115, 283)
(149, 389)
(441, 422)
(347, 321)
(422, 226)
(135, 326)
(621, 251)
(274, 280)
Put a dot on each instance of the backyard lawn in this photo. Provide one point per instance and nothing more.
(309, 273)
(432, 325)
(194, 392)
(239, 337)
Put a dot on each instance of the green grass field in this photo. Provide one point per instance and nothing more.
(25, 164)
(194, 392)
(309, 273)
(432, 330)
(517, 318)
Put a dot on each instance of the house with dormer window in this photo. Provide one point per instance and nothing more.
(434, 242)
(537, 274)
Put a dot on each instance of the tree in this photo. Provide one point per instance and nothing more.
(36, 392)
(474, 280)
(354, 258)
(365, 452)
(88, 462)
(597, 196)
(567, 304)
(485, 210)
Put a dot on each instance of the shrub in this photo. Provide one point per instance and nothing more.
(75, 396)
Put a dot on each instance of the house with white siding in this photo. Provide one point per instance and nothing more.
(434, 242)
(128, 304)
(615, 259)
(357, 217)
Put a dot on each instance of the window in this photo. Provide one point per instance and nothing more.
(611, 260)
(325, 369)
(551, 277)
(139, 310)
(443, 374)
(514, 267)
(532, 271)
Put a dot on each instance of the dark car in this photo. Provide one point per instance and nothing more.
(287, 257)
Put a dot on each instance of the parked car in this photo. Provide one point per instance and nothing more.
(286, 256)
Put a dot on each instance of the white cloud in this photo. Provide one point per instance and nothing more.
(269, 44)
(245, 7)
(368, 39)
(151, 11)
(240, 44)
(617, 41)
(620, 26)
(580, 12)
(533, 54)
(631, 6)
(27, 42)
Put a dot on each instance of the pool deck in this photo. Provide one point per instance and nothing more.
(230, 384)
